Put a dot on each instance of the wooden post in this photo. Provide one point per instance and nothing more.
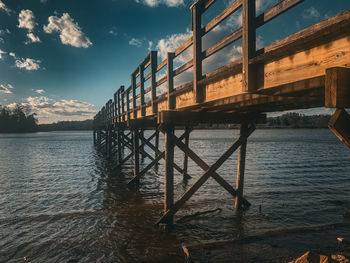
(122, 102)
(248, 44)
(94, 136)
(337, 89)
(128, 103)
(241, 167)
(170, 80)
(142, 90)
(136, 151)
(169, 172)
(153, 57)
(156, 144)
(119, 137)
(196, 11)
(133, 89)
(185, 164)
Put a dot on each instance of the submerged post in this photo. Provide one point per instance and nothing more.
(185, 164)
(169, 172)
(241, 167)
(136, 150)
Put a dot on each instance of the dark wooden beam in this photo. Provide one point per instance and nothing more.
(188, 118)
(337, 91)
(340, 125)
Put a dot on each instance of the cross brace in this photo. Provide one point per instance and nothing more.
(210, 171)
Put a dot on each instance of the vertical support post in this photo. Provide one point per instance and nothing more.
(170, 80)
(154, 63)
(119, 135)
(169, 172)
(142, 90)
(128, 103)
(185, 164)
(136, 150)
(241, 167)
(133, 89)
(248, 44)
(156, 144)
(196, 10)
(122, 94)
(94, 136)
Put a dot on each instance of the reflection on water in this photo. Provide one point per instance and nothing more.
(60, 201)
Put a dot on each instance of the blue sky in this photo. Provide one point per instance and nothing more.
(66, 58)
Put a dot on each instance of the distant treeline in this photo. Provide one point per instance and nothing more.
(66, 126)
(296, 120)
(18, 119)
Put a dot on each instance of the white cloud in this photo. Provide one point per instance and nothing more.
(32, 38)
(49, 110)
(70, 32)
(171, 43)
(154, 3)
(311, 13)
(135, 42)
(113, 32)
(1, 53)
(6, 89)
(28, 64)
(26, 19)
(5, 8)
(12, 54)
(40, 91)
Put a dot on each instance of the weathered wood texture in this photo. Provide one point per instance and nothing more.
(340, 125)
(337, 88)
(296, 72)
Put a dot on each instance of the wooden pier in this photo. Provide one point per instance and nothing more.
(305, 70)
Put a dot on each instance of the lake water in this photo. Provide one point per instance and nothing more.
(60, 201)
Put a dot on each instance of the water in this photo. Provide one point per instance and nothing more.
(60, 201)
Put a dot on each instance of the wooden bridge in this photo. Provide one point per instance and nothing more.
(308, 69)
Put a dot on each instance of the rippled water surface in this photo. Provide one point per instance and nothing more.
(60, 201)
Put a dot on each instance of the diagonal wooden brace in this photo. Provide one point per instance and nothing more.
(209, 172)
(157, 151)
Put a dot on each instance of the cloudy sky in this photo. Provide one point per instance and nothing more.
(66, 58)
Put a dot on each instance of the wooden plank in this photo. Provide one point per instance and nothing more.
(223, 43)
(248, 44)
(170, 80)
(275, 11)
(188, 118)
(183, 68)
(337, 90)
(197, 53)
(162, 65)
(184, 47)
(340, 125)
(333, 28)
(233, 7)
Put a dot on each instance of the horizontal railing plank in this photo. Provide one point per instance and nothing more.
(222, 16)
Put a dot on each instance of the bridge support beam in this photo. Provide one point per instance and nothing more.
(241, 167)
(169, 172)
(247, 128)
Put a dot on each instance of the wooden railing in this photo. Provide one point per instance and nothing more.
(125, 106)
